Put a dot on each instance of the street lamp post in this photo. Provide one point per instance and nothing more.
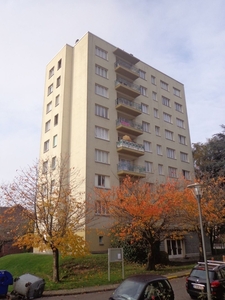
(197, 191)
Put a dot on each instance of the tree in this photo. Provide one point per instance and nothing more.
(209, 158)
(54, 203)
(213, 210)
(214, 207)
(145, 213)
(12, 224)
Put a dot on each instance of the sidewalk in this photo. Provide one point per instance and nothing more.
(101, 288)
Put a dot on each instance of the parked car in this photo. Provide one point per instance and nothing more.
(144, 287)
(196, 281)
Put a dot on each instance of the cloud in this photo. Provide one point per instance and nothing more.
(184, 39)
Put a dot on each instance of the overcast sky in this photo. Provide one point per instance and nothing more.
(183, 38)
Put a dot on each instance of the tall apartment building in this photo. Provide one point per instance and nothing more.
(114, 115)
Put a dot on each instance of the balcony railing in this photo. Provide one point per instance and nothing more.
(124, 168)
(131, 85)
(126, 69)
(127, 66)
(130, 145)
(129, 123)
(129, 103)
(127, 87)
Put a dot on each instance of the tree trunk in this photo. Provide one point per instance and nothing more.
(55, 265)
(153, 256)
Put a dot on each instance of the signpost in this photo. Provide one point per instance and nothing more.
(115, 255)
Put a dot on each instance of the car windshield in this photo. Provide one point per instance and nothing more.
(129, 289)
(202, 274)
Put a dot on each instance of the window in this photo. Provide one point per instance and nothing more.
(157, 130)
(57, 100)
(47, 126)
(101, 71)
(101, 90)
(144, 108)
(170, 153)
(160, 169)
(102, 181)
(142, 74)
(50, 89)
(55, 140)
(101, 156)
(146, 126)
(156, 113)
(44, 189)
(58, 81)
(176, 92)
(101, 53)
(56, 119)
(180, 123)
(159, 149)
(182, 139)
(101, 208)
(167, 118)
(51, 72)
(164, 85)
(101, 111)
(178, 107)
(59, 64)
(184, 157)
(169, 135)
(165, 101)
(153, 80)
(172, 172)
(54, 162)
(52, 187)
(46, 146)
(154, 96)
(143, 91)
(100, 240)
(49, 107)
(186, 174)
(45, 167)
(147, 146)
(101, 133)
(148, 167)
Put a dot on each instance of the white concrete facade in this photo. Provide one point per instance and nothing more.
(113, 115)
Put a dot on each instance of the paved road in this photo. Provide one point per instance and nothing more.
(178, 286)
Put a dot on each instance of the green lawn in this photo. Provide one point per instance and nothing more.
(74, 272)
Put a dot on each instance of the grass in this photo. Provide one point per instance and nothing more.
(91, 270)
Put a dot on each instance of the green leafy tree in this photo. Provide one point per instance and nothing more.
(209, 157)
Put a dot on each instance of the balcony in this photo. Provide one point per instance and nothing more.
(128, 107)
(127, 88)
(126, 168)
(127, 70)
(129, 127)
(130, 148)
(126, 56)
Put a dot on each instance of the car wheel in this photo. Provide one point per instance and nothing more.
(223, 296)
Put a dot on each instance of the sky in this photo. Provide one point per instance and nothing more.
(184, 39)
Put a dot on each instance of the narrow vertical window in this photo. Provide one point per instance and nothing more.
(56, 120)
(57, 100)
(59, 64)
(55, 140)
(51, 72)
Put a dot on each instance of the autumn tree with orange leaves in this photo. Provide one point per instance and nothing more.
(144, 212)
(53, 202)
(213, 211)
